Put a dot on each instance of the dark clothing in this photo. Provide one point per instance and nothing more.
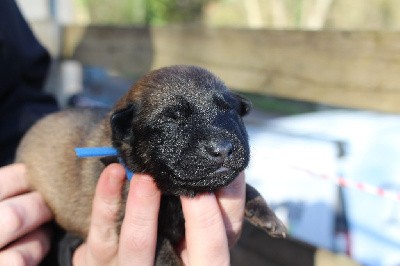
(23, 69)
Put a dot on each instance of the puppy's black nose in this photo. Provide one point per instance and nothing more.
(220, 150)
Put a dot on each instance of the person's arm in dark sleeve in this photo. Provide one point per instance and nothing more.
(23, 69)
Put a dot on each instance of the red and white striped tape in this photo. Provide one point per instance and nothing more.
(343, 182)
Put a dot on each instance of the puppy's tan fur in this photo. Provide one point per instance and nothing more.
(78, 190)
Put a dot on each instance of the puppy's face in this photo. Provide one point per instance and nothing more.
(181, 125)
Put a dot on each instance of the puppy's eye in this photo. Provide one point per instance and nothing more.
(221, 103)
(174, 114)
(179, 112)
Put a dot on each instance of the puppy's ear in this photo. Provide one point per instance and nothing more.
(121, 122)
(245, 105)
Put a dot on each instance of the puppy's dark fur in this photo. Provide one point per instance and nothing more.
(179, 124)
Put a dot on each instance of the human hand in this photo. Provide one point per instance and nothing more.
(212, 219)
(23, 238)
(135, 245)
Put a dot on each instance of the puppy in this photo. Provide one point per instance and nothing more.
(179, 124)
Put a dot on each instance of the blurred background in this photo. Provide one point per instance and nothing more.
(323, 76)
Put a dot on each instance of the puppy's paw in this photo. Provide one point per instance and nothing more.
(263, 217)
(259, 214)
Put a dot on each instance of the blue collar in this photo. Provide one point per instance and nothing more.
(102, 152)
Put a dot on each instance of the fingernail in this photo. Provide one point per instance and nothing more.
(113, 181)
(144, 185)
(115, 178)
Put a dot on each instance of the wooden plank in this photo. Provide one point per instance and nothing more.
(350, 69)
(124, 50)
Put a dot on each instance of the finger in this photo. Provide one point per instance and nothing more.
(139, 228)
(102, 243)
(231, 200)
(22, 214)
(206, 241)
(29, 250)
(12, 180)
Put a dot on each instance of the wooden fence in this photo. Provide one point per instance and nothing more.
(347, 69)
